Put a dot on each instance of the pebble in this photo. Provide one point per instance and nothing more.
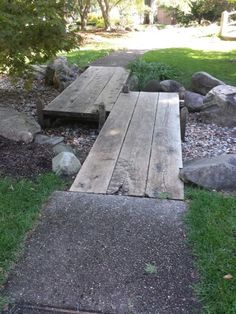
(207, 140)
(202, 140)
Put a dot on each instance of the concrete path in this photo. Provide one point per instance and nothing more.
(105, 254)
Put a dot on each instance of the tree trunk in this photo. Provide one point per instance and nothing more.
(105, 8)
(83, 22)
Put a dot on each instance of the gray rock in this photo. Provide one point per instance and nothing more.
(39, 71)
(217, 173)
(203, 82)
(48, 140)
(220, 106)
(66, 164)
(152, 86)
(17, 126)
(62, 148)
(60, 74)
(170, 86)
(193, 101)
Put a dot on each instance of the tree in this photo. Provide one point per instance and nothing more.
(106, 7)
(148, 12)
(84, 7)
(210, 10)
(32, 31)
(197, 10)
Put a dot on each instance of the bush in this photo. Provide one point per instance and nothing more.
(32, 32)
(95, 20)
(146, 71)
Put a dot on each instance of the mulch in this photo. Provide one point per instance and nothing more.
(19, 160)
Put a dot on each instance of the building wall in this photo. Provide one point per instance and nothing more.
(165, 17)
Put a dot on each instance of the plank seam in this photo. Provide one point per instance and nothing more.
(150, 155)
(105, 85)
(131, 117)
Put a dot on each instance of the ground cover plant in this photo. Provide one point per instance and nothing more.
(20, 204)
(146, 71)
(211, 224)
(184, 62)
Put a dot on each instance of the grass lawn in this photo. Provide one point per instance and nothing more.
(187, 61)
(84, 57)
(211, 224)
(20, 204)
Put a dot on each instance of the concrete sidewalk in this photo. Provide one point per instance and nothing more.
(105, 254)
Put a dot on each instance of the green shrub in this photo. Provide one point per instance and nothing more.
(146, 71)
(95, 20)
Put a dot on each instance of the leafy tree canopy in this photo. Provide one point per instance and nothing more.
(32, 31)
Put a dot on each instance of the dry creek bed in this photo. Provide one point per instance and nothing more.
(202, 140)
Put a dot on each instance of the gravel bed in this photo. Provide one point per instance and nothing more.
(202, 140)
(207, 140)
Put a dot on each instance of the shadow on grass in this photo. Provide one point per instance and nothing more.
(187, 61)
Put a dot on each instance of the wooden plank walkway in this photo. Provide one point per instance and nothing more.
(138, 151)
(82, 97)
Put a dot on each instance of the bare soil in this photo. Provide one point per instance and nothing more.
(21, 160)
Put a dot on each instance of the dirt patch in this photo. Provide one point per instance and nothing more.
(20, 160)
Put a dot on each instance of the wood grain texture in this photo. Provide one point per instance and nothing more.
(62, 101)
(86, 97)
(82, 97)
(131, 170)
(96, 172)
(111, 92)
(166, 156)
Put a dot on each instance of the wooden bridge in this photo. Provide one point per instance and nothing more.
(138, 151)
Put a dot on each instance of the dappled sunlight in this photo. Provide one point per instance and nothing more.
(114, 132)
(203, 38)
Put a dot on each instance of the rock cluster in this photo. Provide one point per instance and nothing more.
(60, 74)
(215, 103)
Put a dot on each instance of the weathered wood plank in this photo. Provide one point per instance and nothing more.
(131, 170)
(96, 172)
(166, 155)
(86, 97)
(111, 92)
(67, 97)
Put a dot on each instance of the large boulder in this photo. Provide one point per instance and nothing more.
(17, 126)
(220, 106)
(193, 101)
(170, 86)
(60, 74)
(203, 82)
(66, 164)
(152, 86)
(218, 173)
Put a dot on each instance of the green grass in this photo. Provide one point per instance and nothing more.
(20, 204)
(211, 224)
(186, 61)
(84, 57)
